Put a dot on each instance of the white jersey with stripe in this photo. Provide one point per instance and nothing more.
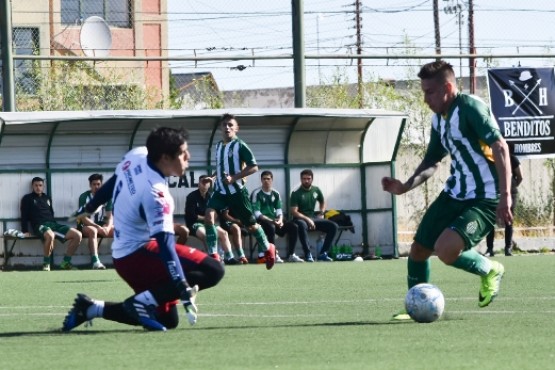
(143, 205)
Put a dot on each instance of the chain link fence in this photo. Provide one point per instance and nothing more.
(240, 47)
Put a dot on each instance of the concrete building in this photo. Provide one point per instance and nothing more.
(137, 28)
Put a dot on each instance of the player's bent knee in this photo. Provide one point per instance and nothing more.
(213, 272)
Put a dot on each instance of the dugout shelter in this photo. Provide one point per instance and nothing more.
(348, 150)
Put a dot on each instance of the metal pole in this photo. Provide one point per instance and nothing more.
(459, 14)
(472, 49)
(436, 28)
(8, 85)
(298, 54)
(359, 52)
(318, 46)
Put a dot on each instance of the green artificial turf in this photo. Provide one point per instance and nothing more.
(296, 316)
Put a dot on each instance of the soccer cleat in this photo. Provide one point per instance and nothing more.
(67, 266)
(98, 266)
(270, 256)
(14, 233)
(294, 258)
(309, 258)
(243, 260)
(231, 261)
(508, 252)
(143, 313)
(401, 316)
(261, 260)
(216, 256)
(490, 284)
(278, 258)
(78, 313)
(490, 252)
(324, 258)
(45, 267)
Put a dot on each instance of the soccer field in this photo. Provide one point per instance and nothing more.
(296, 316)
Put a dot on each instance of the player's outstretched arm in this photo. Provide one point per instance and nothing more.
(423, 172)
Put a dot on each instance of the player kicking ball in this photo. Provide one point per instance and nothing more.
(144, 251)
(475, 195)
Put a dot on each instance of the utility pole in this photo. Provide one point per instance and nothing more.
(436, 28)
(358, 19)
(472, 49)
(456, 8)
(298, 53)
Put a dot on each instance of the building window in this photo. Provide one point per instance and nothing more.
(117, 13)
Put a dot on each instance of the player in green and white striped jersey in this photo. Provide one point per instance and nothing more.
(234, 162)
(475, 195)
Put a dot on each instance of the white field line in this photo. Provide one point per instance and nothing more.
(11, 311)
(343, 302)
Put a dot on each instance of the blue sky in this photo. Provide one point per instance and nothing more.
(262, 27)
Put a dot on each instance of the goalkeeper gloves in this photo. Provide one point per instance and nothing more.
(188, 297)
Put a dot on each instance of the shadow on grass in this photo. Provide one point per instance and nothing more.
(243, 327)
(249, 327)
(51, 332)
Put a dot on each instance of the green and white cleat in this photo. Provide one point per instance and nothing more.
(401, 316)
(490, 284)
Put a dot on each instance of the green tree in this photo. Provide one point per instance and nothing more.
(75, 85)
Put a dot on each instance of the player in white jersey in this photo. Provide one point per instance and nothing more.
(144, 251)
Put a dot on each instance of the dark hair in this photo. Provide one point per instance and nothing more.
(96, 176)
(267, 173)
(439, 70)
(226, 117)
(202, 177)
(307, 172)
(37, 179)
(165, 140)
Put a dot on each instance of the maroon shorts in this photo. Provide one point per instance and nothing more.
(145, 269)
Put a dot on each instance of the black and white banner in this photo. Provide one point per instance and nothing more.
(523, 103)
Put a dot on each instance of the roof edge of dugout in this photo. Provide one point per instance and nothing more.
(12, 118)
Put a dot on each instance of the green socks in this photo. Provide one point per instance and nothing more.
(418, 272)
(211, 239)
(470, 261)
(261, 238)
(473, 262)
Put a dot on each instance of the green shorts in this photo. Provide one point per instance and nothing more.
(471, 219)
(194, 228)
(59, 230)
(238, 202)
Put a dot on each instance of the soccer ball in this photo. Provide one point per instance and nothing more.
(424, 303)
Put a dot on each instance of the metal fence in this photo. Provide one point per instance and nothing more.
(177, 54)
